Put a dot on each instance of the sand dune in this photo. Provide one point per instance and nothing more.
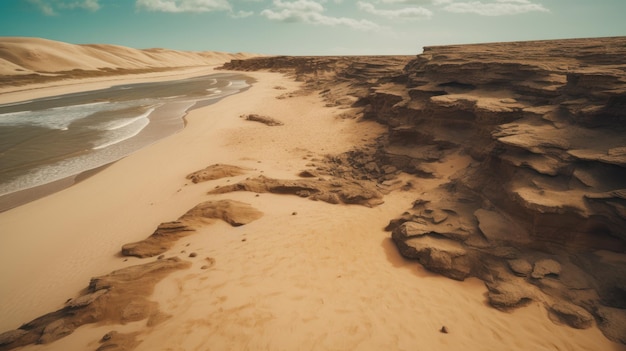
(20, 55)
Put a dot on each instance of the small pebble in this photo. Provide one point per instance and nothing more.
(161, 257)
(204, 267)
(443, 330)
(244, 239)
(193, 254)
(108, 336)
(294, 213)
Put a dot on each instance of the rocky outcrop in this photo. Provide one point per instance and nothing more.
(334, 191)
(118, 297)
(535, 135)
(214, 172)
(544, 125)
(165, 236)
(268, 121)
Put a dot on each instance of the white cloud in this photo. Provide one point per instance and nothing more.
(497, 8)
(416, 2)
(308, 11)
(404, 13)
(242, 14)
(177, 6)
(51, 7)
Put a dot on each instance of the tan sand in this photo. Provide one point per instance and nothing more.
(308, 276)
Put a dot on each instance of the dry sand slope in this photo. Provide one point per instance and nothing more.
(280, 271)
(21, 56)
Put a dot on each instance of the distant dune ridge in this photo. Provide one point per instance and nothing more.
(23, 55)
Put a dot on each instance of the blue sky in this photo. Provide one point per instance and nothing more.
(309, 27)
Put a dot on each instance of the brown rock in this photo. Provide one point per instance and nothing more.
(216, 171)
(520, 267)
(572, 315)
(505, 295)
(443, 256)
(233, 212)
(546, 267)
(339, 190)
(263, 119)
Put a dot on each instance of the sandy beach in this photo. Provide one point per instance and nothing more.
(306, 275)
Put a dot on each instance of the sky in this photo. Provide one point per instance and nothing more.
(309, 27)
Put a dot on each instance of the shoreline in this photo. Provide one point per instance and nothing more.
(306, 273)
(23, 196)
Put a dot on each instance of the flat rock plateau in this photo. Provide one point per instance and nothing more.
(537, 133)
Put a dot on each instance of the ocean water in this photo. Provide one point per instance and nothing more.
(53, 138)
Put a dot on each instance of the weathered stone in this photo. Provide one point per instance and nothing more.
(572, 315)
(520, 267)
(269, 121)
(216, 171)
(85, 300)
(56, 330)
(506, 295)
(545, 267)
(333, 190)
(11, 336)
(443, 256)
(235, 213)
(612, 322)
(410, 229)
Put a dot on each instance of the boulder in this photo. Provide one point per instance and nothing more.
(444, 256)
(506, 295)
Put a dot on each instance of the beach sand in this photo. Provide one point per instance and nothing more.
(307, 275)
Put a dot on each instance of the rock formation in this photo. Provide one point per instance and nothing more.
(118, 297)
(536, 133)
(233, 212)
(333, 191)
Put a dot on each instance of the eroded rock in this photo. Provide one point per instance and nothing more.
(233, 212)
(440, 255)
(119, 297)
(332, 191)
(545, 267)
(216, 171)
(572, 315)
(269, 121)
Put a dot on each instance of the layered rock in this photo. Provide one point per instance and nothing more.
(536, 135)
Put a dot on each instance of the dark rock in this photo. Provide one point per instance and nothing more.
(56, 330)
(572, 315)
(11, 336)
(269, 121)
(612, 322)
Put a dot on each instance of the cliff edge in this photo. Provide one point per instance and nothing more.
(536, 135)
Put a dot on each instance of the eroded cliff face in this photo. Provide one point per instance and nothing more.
(544, 123)
(535, 136)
